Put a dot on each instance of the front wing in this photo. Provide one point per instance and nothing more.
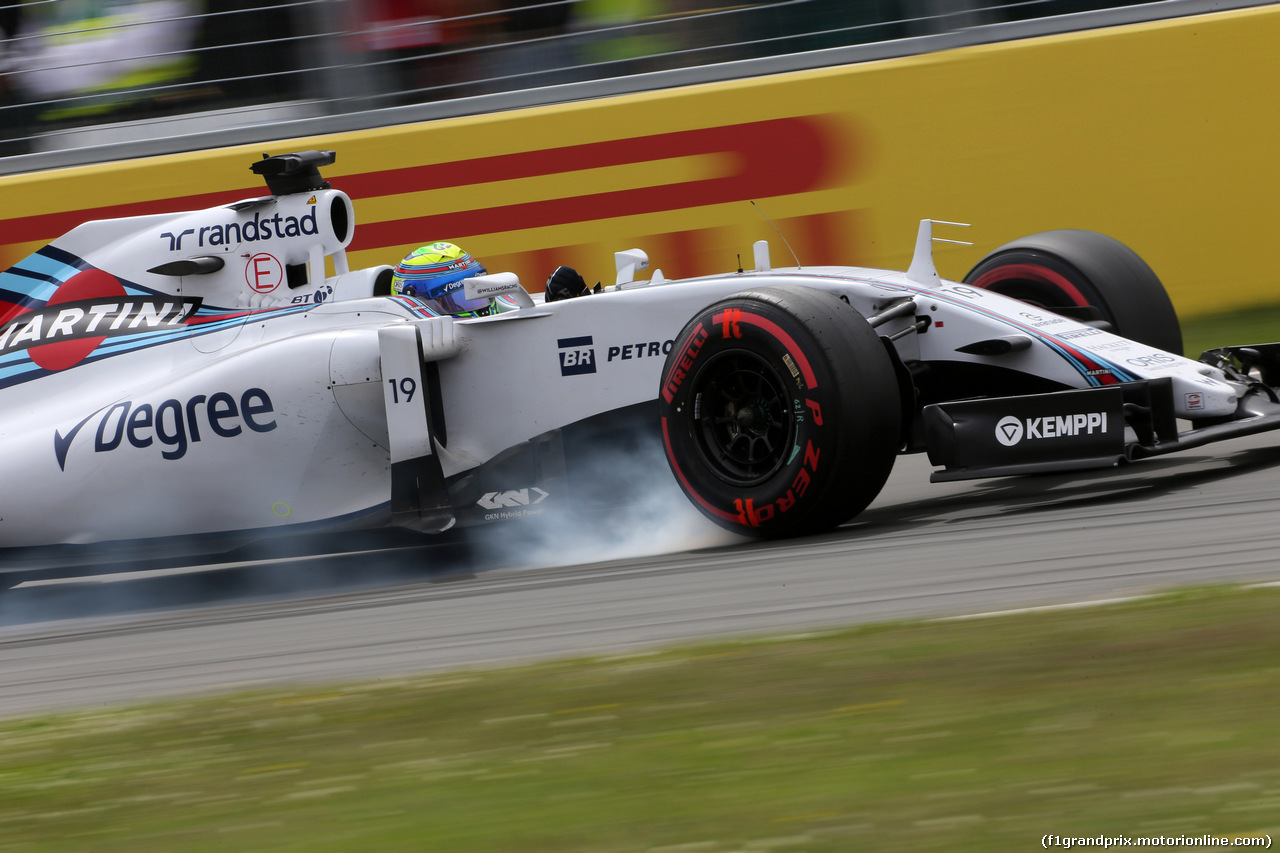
(1077, 429)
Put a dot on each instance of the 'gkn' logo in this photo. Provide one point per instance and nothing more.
(512, 498)
(577, 356)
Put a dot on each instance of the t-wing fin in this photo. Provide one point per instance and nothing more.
(922, 271)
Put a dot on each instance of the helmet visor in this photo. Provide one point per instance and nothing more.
(453, 300)
(451, 295)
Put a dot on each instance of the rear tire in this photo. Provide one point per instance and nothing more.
(1076, 269)
(780, 412)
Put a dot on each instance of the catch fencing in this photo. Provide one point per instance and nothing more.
(86, 81)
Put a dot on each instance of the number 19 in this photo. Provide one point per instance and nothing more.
(405, 386)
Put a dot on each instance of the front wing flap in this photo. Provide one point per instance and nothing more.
(1073, 430)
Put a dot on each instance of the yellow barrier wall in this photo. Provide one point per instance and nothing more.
(1160, 134)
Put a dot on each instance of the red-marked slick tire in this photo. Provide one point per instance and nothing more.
(780, 412)
(1074, 269)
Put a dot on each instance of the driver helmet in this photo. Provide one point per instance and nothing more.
(435, 273)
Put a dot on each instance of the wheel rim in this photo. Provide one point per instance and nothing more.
(743, 429)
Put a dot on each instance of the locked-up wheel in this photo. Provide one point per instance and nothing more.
(780, 412)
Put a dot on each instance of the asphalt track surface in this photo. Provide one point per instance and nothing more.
(922, 550)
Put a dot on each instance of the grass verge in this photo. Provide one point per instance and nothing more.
(1251, 326)
(1146, 718)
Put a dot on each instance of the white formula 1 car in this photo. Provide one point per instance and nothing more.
(224, 372)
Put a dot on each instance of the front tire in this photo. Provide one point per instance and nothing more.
(1070, 269)
(780, 412)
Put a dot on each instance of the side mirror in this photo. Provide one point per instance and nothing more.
(629, 263)
(498, 284)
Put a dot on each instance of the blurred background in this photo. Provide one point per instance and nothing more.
(85, 81)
